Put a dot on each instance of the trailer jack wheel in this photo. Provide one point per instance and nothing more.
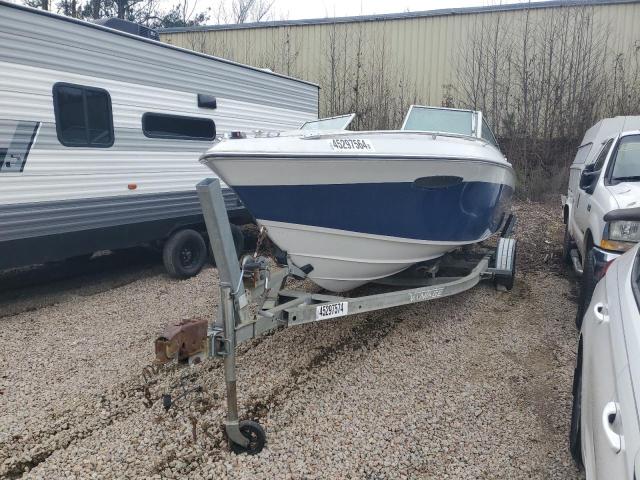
(256, 436)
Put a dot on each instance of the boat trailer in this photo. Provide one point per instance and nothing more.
(253, 281)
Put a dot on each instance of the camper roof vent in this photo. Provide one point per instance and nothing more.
(129, 27)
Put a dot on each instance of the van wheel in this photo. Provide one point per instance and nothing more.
(184, 253)
(566, 246)
(587, 286)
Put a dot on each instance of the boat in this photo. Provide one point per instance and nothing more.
(358, 206)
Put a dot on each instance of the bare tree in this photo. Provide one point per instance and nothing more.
(244, 11)
(542, 81)
(41, 4)
(360, 76)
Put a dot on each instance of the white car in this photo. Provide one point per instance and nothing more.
(605, 432)
(604, 183)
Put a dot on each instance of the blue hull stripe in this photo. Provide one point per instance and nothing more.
(458, 213)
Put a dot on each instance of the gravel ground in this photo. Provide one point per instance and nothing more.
(473, 386)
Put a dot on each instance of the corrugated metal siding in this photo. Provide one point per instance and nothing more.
(425, 49)
(49, 218)
(65, 189)
(38, 39)
(54, 172)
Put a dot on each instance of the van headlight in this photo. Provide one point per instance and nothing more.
(620, 235)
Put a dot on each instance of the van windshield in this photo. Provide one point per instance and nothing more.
(627, 161)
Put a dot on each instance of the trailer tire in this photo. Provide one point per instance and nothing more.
(506, 257)
(184, 253)
(238, 239)
(238, 242)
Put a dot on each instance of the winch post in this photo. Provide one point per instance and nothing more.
(219, 231)
(231, 289)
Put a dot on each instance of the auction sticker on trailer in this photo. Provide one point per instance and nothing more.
(351, 144)
(332, 310)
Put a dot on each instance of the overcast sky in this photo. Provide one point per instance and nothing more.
(295, 9)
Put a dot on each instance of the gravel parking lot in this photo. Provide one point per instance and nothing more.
(472, 386)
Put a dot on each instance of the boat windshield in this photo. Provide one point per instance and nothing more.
(331, 123)
(441, 120)
(626, 167)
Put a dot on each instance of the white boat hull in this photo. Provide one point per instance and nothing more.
(344, 260)
(359, 217)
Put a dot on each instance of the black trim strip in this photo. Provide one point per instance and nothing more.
(33, 138)
(628, 214)
(18, 145)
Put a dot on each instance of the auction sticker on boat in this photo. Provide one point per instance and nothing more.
(332, 310)
(351, 144)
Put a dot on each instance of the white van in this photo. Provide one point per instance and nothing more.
(604, 179)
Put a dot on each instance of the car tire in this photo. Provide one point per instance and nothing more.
(184, 254)
(588, 284)
(566, 246)
(575, 438)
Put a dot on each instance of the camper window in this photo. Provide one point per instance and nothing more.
(160, 125)
(83, 116)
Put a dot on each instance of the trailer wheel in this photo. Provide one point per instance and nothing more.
(256, 435)
(506, 263)
(184, 253)
(238, 239)
(238, 242)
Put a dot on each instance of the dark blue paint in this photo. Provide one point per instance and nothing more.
(462, 212)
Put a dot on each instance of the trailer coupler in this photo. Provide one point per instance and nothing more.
(185, 340)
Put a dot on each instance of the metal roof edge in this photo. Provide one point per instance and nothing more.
(84, 23)
(523, 5)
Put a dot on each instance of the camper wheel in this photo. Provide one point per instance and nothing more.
(184, 253)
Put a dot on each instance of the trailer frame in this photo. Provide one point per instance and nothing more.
(252, 280)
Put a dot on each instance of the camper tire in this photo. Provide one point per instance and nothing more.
(184, 253)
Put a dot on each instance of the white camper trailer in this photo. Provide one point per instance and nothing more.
(101, 131)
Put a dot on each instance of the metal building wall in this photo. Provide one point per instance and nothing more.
(423, 50)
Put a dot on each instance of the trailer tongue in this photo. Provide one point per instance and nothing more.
(254, 282)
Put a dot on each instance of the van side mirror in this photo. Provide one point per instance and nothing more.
(589, 178)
